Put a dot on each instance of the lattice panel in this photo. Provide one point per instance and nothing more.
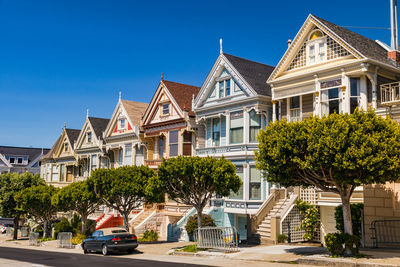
(309, 194)
(300, 59)
(335, 50)
(292, 222)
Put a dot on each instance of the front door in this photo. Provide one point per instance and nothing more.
(69, 173)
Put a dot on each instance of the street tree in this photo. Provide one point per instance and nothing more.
(194, 181)
(79, 197)
(125, 189)
(335, 153)
(36, 202)
(10, 185)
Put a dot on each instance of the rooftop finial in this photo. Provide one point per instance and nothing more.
(162, 76)
(220, 45)
(120, 95)
(65, 125)
(87, 113)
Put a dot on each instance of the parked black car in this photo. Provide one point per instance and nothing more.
(109, 240)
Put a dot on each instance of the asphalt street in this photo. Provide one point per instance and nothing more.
(47, 258)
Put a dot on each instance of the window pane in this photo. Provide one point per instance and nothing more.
(228, 87)
(122, 123)
(255, 125)
(166, 109)
(354, 87)
(173, 137)
(120, 156)
(216, 131)
(173, 150)
(160, 147)
(255, 183)
(295, 102)
(236, 131)
(353, 104)
(239, 194)
(221, 89)
(333, 93)
(128, 155)
(333, 106)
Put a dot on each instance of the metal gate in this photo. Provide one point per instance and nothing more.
(385, 232)
(221, 238)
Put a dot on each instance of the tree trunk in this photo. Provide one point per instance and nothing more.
(83, 220)
(199, 219)
(347, 224)
(16, 222)
(46, 229)
(125, 215)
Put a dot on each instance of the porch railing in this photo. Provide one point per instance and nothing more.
(390, 93)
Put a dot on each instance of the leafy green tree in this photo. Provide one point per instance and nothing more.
(194, 180)
(335, 153)
(125, 188)
(79, 197)
(36, 202)
(10, 185)
(192, 223)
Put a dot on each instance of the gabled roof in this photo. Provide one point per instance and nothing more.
(135, 110)
(31, 152)
(256, 74)
(365, 46)
(99, 125)
(183, 94)
(50, 154)
(72, 135)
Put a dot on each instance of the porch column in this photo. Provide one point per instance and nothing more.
(363, 93)
(317, 97)
(246, 123)
(345, 93)
(374, 83)
(228, 127)
(273, 110)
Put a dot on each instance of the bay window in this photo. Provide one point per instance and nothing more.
(236, 129)
(239, 194)
(216, 131)
(173, 143)
(255, 125)
(255, 184)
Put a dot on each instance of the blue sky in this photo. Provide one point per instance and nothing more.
(59, 58)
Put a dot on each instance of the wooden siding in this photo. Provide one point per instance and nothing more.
(307, 105)
(201, 136)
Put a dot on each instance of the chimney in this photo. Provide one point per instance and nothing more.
(394, 55)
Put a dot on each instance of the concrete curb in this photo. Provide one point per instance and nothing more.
(340, 263)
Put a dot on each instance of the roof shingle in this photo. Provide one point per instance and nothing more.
(183, 94)
(135, 110)
(98, 125)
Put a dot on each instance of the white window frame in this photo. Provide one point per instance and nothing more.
(339, 98)
(295, 114)
(212, 131)
(225, 81)
(120, 124)
(162, 109)
(317, 49)
(91, 137)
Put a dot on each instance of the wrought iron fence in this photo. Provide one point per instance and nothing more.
(34, 239)
(221, 238)
(385, 232)
(64, 240)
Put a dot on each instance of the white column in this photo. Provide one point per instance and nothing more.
(287, 109)
(363, 93)
(246, 181)
(228, 127)
(273, 110)
(317, 97)
(246, 122)
(374, 84)
(345, 93)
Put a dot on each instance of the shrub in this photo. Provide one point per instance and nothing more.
(90, 227)
(149, 236)
(78, 239)
(282, 238)
(311, 218)
(352, 242)
(356, 218)
(62, 226)
(191, 225)
(334, 244)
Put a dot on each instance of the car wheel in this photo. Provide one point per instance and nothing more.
(85, 251)
(130, 251)
(104, 250)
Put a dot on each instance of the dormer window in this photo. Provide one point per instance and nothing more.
(165, 109)
(12, 160)
(316, 48)
(89, 137)
(224, 88)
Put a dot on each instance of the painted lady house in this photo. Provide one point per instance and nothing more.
(21, 159)
(59, 165)
(233, 104)
(327, 69)
(169, 130)
(90, 147)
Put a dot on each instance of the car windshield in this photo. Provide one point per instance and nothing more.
(118, 231)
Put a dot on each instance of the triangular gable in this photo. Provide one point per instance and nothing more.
(4, 161)
(59, 151)
(112, 127)
(222, 66)
(295, 57)
(82, 138)
(161, 95)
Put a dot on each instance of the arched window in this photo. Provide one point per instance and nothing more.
(316, 47)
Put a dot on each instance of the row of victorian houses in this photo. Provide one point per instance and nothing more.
(325, 69)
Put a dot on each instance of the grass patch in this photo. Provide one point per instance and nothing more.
(191, 249)
(44, 239)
